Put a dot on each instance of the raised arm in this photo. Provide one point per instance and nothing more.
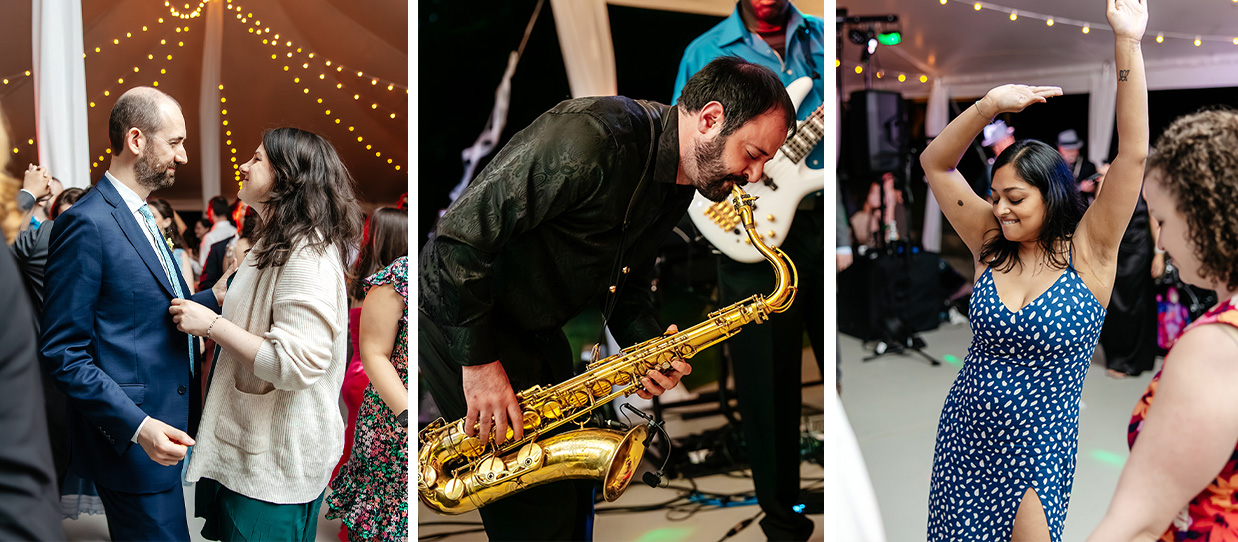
(970, 214)
(1187, 437)
(1105, 221)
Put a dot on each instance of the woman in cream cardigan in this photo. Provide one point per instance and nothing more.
(271, 430)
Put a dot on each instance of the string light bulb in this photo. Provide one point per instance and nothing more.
(1014, 15)
(1049, 22)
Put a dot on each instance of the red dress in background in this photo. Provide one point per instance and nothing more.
(355, 382)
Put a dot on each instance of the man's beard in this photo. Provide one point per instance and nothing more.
(152, 175)
(711, 174)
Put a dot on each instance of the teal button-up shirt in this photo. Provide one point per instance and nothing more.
(805, 57)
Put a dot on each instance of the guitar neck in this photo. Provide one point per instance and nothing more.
(807, 135)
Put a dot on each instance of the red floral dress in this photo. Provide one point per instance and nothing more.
(370, 494)
(1212, 516)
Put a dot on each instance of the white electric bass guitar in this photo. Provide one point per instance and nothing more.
(787, 179)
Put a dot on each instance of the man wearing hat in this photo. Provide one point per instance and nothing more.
(1068, 145)
(997, 136)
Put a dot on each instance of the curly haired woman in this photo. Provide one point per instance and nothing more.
(1179, 482)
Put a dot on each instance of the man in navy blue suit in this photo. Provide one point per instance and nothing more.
(108, 339)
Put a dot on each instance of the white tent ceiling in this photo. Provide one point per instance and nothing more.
(142, 41)
(974, 50)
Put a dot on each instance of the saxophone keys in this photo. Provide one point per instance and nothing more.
(530, 456)
(426, 476)
(490, 470)
(551, 410)
(531, 420)
(623, 379)
(601, 387)
(453, 490)
(470, 447)
(578, 399)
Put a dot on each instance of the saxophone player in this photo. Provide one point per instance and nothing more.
(572, 211)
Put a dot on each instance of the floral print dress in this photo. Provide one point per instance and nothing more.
(1212, 516)
(370, 494)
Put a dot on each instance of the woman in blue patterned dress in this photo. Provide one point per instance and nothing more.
(1006, 442)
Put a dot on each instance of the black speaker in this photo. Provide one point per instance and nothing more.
(890, 295)
(876, 132)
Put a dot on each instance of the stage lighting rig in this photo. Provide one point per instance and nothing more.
(869, 31)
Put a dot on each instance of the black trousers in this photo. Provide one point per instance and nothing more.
(555, 511)
(766, 363)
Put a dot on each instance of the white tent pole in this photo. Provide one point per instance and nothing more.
(209, 106)
(60, 90)
(936, 118)
(1102, 111)
(588, 52)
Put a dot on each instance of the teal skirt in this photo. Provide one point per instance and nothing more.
(232, 516)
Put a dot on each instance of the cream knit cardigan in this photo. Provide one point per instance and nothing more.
(275, 433)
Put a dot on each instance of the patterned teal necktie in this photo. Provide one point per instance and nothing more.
(169, 267)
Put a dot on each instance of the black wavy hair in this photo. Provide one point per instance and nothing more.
(744, 89)
(1041, 166)
(312, 199)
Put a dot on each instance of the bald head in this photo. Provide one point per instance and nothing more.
(141, 108)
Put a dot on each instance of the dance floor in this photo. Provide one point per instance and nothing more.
(894, 402)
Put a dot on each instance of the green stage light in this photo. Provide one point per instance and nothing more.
(889, 38)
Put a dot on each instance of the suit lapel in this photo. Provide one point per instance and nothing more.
(129, 225)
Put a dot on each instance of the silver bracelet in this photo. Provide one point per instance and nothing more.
(208, 328)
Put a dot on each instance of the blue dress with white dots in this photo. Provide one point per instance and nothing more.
(1011, 420)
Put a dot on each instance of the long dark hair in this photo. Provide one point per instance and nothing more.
(166, 211)
(1041, 166)
(384, 240)
(311, 200)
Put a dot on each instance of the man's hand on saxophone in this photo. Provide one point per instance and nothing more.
(657, 382)
(492, 402)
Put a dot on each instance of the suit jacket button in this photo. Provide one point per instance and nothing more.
(181, 390)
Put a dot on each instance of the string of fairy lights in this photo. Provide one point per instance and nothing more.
(161, 60)
(304, 77)
(1016, 15)
(1087, 26)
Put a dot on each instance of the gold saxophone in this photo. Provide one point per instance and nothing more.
(457, 473)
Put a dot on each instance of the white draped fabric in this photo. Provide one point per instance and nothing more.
(1102, 113)
(60, 90)
(588, 52)
(936, 117)
(209, 106)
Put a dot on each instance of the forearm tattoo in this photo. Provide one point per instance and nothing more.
(1122, 74)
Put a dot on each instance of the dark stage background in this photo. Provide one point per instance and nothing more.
(463, 49)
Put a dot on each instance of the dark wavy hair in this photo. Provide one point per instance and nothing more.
(166, 211)
(1042, 167)
(1197, 157)
(384, 240)
(312, 199)
(68, 196)
(744, 89)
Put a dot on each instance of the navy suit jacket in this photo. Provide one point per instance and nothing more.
(110, 343)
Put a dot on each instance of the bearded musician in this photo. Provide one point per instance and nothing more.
(572, 210)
